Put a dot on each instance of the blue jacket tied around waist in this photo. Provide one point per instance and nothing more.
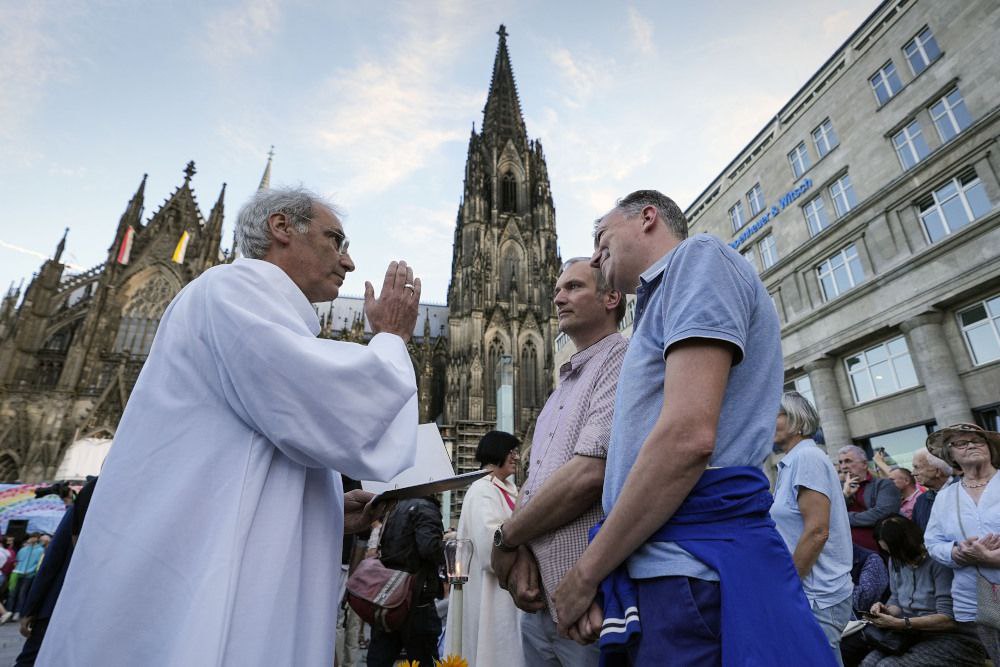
(724, 522)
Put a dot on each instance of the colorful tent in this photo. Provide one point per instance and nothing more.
(17, 501)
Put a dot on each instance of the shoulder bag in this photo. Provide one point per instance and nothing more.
(381, 596)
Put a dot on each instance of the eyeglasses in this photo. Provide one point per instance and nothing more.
(965, 444)
(340, 241)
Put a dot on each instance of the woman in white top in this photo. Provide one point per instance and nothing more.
(491, 629)
(964, 529)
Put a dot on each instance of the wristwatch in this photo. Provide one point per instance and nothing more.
(499, 543)
(906, 622)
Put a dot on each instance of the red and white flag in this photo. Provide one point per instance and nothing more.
(126, 248)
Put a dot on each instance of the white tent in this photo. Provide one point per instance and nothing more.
(84, 457)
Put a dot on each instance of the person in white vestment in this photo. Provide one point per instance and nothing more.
(491, 626)
(215, 535)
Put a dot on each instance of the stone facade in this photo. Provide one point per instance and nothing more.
(504, 266)
(880, 242)
(72, 347)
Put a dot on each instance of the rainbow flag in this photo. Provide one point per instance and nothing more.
(126, 248)
(181, 248)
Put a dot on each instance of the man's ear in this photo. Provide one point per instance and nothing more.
(612, 298)
(280, 227)
(649, 214)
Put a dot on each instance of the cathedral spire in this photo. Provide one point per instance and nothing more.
(61, 246)
(265, 179)
(502, 117)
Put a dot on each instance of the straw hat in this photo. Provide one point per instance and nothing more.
(937, 442)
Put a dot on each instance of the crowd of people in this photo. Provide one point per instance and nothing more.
(646, 532)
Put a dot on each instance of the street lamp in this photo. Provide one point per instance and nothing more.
(458, 559)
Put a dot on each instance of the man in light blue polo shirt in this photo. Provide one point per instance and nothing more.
(700, 386)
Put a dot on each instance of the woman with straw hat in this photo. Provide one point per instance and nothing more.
(964, 529)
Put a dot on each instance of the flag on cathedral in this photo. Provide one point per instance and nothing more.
(181, 248)
(126, 248)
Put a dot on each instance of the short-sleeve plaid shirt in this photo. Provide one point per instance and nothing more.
(576, 420)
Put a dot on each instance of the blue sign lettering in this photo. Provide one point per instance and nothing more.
(783, 202)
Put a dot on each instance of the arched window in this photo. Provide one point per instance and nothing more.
(529, 375)
(508, 193)
(492, 360)
(509, 266)
(142, 316)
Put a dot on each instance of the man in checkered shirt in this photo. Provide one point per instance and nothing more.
(561, 500)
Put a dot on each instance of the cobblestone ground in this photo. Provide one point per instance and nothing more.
(10, 643)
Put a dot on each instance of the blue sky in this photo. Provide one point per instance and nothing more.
(371, 104)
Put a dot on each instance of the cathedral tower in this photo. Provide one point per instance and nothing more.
(504, 265)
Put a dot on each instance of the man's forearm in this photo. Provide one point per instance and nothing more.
(568, 493)
(656, 486)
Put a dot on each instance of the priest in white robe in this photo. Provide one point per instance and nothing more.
(214, 536)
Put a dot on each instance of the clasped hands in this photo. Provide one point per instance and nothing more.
(974, 550)
(517, 572)
(883, 616)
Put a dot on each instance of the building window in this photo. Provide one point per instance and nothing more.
(885, 83)
(508, 193)
(768, 251)
(736, 216)
(950, 115)
(840, 273)
(756, 200)
(881, 370)
(953, 206)
(921, 51)
(842, 195)
(825, 138)
(749, 257)
(816, 216)
(981, 329)
(799, 159)
(910, 145)
(802, 385)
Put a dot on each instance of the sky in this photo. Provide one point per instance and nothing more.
(371, 105)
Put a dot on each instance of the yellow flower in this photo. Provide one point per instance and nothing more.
(409, 663)
(452, 661)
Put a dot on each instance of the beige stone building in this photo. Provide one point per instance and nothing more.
(870, 206)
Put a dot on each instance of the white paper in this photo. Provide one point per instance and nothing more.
(433, 463)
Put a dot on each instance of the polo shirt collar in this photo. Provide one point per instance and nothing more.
(796, 451)
(585, 355)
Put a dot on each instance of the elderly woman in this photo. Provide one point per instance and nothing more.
(812, 518)
(919, 616)
(964, 529)
(490, 623)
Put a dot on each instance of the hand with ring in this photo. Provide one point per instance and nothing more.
(395, 310)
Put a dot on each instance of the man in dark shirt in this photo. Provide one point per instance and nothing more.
(411, 541)
(868, 498)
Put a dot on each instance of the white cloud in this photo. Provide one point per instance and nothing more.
(236, 32)
(642, 31)
(579, 77)
(391, 113)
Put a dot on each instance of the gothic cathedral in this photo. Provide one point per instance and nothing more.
(504, 265)
(72, 346)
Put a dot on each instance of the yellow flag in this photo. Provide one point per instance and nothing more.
(181, 248)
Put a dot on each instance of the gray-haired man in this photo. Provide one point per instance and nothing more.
(868, 498)
(239, 427)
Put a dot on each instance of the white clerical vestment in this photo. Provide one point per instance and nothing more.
(214, 534)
